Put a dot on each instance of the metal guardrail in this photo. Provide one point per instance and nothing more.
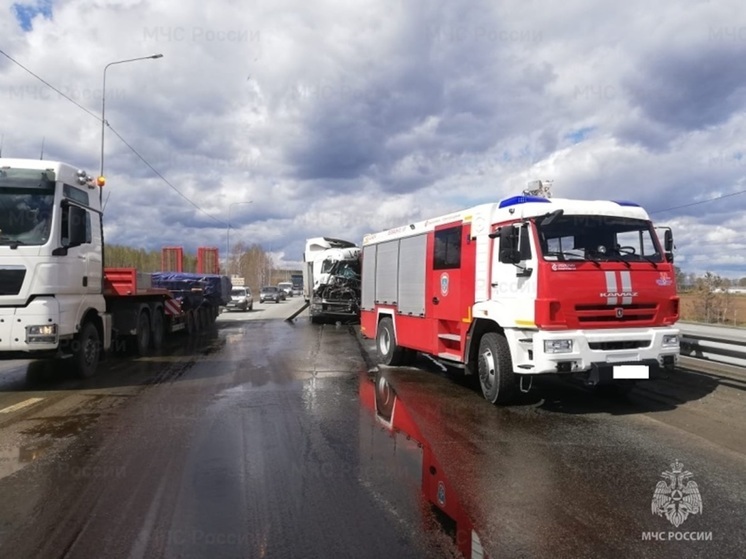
(717, 344)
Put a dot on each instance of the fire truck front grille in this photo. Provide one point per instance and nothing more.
(615, 314)
(11, 280)
(610, 346)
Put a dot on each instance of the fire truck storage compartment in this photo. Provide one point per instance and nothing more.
(399, 275)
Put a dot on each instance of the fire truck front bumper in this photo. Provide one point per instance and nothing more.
(630, 353)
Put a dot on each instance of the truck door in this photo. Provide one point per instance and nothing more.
(444, 303)
(513, 275)
(85, 253)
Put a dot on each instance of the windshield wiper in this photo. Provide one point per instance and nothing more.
(13, 243)
(618, 258)
(649, 259)
(564, 254)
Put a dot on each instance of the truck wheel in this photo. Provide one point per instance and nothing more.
(142, 337)
(388, 352)
(86, 351)
(496, 369)
(157, 333)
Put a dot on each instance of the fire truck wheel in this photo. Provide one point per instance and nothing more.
(157, 333)
(388, 352)
(142, 337)
(86, 351)
(496, 369)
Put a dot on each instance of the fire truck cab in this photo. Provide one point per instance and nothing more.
(525, 286)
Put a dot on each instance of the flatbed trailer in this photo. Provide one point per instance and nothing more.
(148, 313)
(57, 301)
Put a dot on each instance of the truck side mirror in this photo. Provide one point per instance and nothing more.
(509, 245)
(668, 244)
(668, 240)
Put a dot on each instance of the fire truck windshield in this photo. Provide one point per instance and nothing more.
(598, 238)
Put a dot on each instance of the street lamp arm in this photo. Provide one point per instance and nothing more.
(103, 101)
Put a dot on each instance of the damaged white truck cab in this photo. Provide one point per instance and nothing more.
(331, 279)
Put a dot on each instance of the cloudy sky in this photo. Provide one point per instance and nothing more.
(342, 118)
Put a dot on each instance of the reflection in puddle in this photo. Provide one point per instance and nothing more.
(14, 458)
(395, 454)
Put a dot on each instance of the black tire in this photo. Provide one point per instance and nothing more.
(388, 352)
(142, 337)
(251, 307)
(157, 330)
(86, 351)
(496, 377)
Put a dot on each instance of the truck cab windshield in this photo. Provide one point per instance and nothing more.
(597, 238)
(25, 215)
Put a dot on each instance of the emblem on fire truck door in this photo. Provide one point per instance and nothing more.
(444, 279)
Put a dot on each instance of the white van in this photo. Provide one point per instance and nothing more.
(241, 300)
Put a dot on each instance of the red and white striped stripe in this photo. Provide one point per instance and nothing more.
(173, 307)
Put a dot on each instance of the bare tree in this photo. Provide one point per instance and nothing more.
(711, 298)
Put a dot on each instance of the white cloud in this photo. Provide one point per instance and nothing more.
(341, 118)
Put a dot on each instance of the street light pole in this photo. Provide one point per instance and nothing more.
(101, 179)
(228, 232)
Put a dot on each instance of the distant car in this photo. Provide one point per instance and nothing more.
(286, 287)
(241, 300)
(270, 293)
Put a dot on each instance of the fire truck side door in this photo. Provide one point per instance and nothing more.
(513, 275)
(445, 282)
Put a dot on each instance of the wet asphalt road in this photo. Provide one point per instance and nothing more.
(261, 439)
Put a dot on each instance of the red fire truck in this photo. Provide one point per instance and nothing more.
(525, 286)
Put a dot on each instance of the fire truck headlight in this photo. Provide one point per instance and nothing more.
(43, 334)
(557, 346)
(671, 340)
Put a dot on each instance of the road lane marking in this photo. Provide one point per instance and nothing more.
(21, 405)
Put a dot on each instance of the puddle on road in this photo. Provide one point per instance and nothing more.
(15, 458)
(61, 427)
(43, 434)
(395, 454)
